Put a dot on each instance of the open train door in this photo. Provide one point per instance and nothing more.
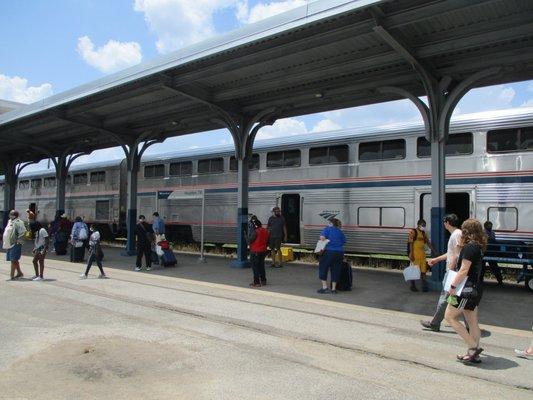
(458, 203)
(290, 209)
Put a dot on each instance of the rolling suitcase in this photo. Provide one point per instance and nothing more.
(345, 280)
(168, 258)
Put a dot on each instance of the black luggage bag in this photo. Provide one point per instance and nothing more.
(346, 278)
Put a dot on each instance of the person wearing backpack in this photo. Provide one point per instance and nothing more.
(418, 239)
(258, 240)
(78, 237)
(145, 239)
(95, 254)
(13, 233)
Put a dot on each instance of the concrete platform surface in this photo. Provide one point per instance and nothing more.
(197, 331)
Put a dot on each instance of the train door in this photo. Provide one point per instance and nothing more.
(456, 202)
(33, 208)
(290, 209)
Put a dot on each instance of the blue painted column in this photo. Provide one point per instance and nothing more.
(438, 208)
(10, 187)
(242, 215)
(131, 213)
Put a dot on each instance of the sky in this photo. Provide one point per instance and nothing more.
(49, 46)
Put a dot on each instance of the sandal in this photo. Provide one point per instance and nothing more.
(472, 356)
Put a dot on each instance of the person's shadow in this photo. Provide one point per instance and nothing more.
(493, 363)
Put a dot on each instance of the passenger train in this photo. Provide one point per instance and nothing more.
(376, 180)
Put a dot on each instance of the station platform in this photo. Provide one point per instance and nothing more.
(198, 331)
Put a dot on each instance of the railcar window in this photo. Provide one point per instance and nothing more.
(390, 217)
(154, 171)
(102, 210)
(458, 144)
(328, 155)
(98, 177)
(24, 184)
(80, 179)
(50, 182)
(211, 165)
(284, 159)
(503, 218)
(253, 164)
(36, 183)
(383, 150)
(182, 168)
(510, 140)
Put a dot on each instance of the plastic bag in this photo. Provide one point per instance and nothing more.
(159, 250)
(411, 273)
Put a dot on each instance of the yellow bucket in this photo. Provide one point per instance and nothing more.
(287, 254)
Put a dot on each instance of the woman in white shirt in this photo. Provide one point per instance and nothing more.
(40, 248)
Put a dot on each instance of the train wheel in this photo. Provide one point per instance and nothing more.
(529, 283)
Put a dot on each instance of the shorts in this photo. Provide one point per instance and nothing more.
(470, 303)
(14, 253)
(274, 243)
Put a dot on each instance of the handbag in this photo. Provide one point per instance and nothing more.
(470, 291)
(411, 273)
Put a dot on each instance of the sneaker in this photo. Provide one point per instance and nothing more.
(148, 268)
(34, 276)
(323, 290)
(334, 291)
(37, 278)
(83, 276)
(255, 284)
(102, 276)
(137, 268)
(523, 354)
(414, 289)
(18, 276)
(429, 325)
(263, 282)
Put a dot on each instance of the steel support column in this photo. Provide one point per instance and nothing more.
(12, 170)
(62, 165)
(442, 98)
(243, 133)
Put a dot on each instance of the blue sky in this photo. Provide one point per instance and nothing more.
(48, 46)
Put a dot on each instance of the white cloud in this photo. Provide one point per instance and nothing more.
(111, 57)
(17, 89)
(326, 125)
(281, 128)
(262, 11)
(178, 23)
(528, 103)
(530, 86)
(487, 98)
(507, 95)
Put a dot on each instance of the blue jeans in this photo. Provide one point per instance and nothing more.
(330, 261)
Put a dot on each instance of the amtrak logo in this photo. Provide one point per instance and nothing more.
(327, 215)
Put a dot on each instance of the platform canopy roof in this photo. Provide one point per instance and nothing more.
(327, 55)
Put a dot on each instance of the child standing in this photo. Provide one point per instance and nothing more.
(40, 247)
(95, 254)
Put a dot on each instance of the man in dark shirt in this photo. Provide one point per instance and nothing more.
(145, 239)
(277, 233)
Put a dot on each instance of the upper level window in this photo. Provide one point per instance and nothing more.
(24, 184)
(80, 179)
(253, 164)
(283, 159)
(36, 183)
(98, 177)
(458, 144)
(182, 168)
(154, 171)
(211, 165)
(50, 181)
(382, 150)
(328, 155)
(510, 140)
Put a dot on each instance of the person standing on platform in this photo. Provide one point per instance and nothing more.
(493, 265)
(145, 239)
(158, 225)
(40, 248)
(78, 238)
(451, 223)
(258, 240)
(418, 239)
(13, 233)
(277, 231)
(331, 259)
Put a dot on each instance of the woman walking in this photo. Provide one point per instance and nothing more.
(470, 265)
(95, 254)
(418, 239)
(258, 250)
(40, 248)
(331, 259)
